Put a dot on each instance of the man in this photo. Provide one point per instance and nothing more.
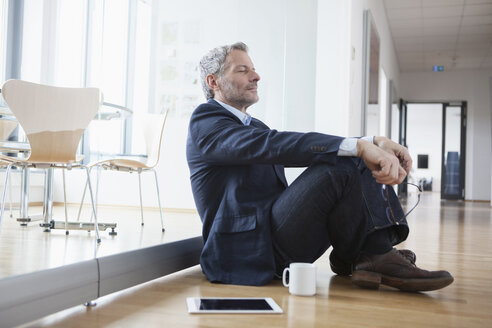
(255, 225)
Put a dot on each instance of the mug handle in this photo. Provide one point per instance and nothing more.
(284, 277)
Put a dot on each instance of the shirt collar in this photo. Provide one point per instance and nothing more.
(243, 117)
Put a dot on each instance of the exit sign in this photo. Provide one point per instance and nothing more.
(438, 68)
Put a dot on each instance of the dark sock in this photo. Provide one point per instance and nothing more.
(377, 242)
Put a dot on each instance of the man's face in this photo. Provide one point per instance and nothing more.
(238, 84)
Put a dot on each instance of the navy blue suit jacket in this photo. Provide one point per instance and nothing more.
(237, 173)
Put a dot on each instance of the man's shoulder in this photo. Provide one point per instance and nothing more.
(211, 109)
(211, 106)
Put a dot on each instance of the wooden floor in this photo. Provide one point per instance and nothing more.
(455, 236)
(28, 249)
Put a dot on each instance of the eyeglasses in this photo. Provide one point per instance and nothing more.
(418, 197)
(384, 193)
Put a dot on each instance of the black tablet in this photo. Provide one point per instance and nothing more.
(232, 305)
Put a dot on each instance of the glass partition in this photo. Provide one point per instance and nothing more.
(156, 49)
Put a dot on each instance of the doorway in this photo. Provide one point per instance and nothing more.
(453, 150)
(435, 135)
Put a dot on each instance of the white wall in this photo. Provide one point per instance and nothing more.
(333, 67)
(473, 87)
(388, 59)
(339, 63)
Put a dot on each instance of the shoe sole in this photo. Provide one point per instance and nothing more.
(340, 272)
(372, 280)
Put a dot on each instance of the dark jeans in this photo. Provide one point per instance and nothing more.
(333, 205)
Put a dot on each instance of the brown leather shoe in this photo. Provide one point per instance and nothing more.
(408, 254)
(343, 268)
(396, 270)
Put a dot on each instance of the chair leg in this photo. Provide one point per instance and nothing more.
(7, 173)
(48, 200)
(98, 177)
(10, 195)
(82, 201)
(159, 199)
(24, 194)
(98, 238)
(65, 202)
(140, 192)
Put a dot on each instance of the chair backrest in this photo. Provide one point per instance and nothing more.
(53, 118)
(153, 130)
(6, 128)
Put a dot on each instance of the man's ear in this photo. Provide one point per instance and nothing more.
(212, 81)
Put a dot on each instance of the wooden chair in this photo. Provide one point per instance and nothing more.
(6, 128)
(54, 119)
(152, 127)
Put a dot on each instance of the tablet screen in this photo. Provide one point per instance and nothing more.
(234, 304)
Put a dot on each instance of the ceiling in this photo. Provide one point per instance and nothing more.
(456, 34)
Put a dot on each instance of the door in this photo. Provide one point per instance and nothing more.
(453, 151)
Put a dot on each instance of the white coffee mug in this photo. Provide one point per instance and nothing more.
(302, 279)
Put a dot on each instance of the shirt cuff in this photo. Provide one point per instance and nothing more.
(348, 147)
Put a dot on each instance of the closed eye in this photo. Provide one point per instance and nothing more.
(243, 69)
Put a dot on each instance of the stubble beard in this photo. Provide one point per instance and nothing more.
(235, 96)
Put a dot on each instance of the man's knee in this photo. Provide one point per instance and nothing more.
(342, 176)
(344, 167)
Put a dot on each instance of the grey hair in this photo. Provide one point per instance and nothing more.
(214, 63)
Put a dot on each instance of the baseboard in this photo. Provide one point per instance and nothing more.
(153, 208)
(18, 204)
(477, 201)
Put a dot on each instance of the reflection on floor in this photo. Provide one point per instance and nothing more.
(28, 249)
(445, 235)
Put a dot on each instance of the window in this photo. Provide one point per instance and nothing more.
(142, 58)
(70, 43)
(117, 62)
(141, 80)
(101, 43)
(32, 39)
(3, 38)
(107, 69)
(113, 50)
